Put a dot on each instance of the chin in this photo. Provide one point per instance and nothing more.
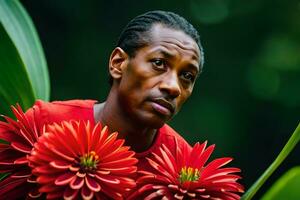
(157, 125)
(150, 119)
(154, 121)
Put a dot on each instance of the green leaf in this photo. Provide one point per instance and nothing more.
(15, 86)
(2, 176)
(286, 187)
(289, 146)
(18, 25)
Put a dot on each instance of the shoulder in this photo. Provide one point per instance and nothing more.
(57, 111)
(166, 136)
(169, 132)
(69, 103)
(171, 138)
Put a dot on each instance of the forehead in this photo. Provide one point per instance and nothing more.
(161, 35)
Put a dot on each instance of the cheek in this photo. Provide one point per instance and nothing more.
(140, 81)
(133, 90)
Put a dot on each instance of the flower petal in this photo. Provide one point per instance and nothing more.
(70, 194)
(22, 160)
(92, 184)
(86, 193)
(21, 147)
(155, 194)
(65, 178)
(34, 193)
(108, 179)
(60, 164)
(77, 183)
(209, 182)
(84, 168)
(22, 174)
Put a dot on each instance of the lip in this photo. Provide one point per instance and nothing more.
(163, 106)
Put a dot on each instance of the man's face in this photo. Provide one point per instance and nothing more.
(160, 77)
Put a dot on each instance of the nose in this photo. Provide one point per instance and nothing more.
(170, 85)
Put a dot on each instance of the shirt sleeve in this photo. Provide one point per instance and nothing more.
(36, 115)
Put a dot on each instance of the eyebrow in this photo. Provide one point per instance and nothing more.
(169, 55)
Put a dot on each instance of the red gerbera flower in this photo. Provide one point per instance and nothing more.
(184, 176)
(74, 160)
(20, 136)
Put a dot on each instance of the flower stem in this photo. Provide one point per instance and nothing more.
(292, 142)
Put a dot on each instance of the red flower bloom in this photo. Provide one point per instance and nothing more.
(76, 160)
(184, 176)
(21, 136)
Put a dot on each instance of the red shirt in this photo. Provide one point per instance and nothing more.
(58, 111)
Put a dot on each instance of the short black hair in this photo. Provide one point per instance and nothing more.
(133, 35)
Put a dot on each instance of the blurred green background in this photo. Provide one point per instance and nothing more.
(247, 100)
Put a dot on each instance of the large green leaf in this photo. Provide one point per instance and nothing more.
(287, 149)
(286, 187)
(18, 25)
(15, 86)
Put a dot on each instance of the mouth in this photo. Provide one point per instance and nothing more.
(163, 106)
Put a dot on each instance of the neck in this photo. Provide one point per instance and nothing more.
(111, 114)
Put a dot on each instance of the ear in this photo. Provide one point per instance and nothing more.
(117, 62)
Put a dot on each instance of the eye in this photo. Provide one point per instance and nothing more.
(158, 63)
(188, 76)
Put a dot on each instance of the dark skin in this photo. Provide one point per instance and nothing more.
(149, 88)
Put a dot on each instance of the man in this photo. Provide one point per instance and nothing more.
(153, 70)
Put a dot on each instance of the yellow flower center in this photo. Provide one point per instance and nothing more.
(89, 161)
(188, 174)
